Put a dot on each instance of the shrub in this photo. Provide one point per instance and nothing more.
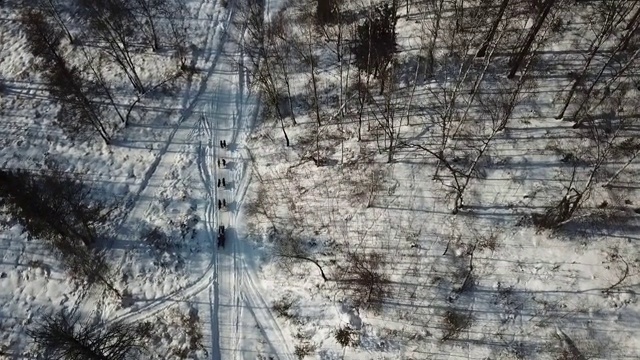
(282, 307)
(455, 321)
(304, 349)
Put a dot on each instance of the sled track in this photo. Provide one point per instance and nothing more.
(212, 224)
(187, 110)
(230, 281)
(206, 278)
(227, 279)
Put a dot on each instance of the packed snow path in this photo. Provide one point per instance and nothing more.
(241, 319)
(237, 320)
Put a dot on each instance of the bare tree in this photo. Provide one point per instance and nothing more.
(587, 103)
(603, 142)
(176, 13)
(631, 28)
(253, 17)
(147, 13)
(364, 279)
(59, 210)
(42, 39)
(450, 107)
(79, 113)
(375, 46)
(265, 67)
(312, 61)
(362, 90)
(435, 28)
(290, 249)
(499, 108)
(101, 85)
(308, 57)
(112, 22)
(531, 36)
(388, 122)
(281, 41)
(612, 13)
(52, 7)
(66, 337)
(629, 148)
(494, 28)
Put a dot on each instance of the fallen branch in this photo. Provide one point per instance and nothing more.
(315, 262)
(622, 278)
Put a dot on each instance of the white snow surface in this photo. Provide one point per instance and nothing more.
(530, 290)
(164, 169)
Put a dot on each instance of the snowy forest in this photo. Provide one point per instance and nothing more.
(319, 179)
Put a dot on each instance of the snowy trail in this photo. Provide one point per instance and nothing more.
(189, 104)
(210, 174)
(180, 144)
(216, 117)
(243, 317)
(236, 317)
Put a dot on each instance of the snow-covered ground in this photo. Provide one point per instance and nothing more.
(165, 168)
(481, 284)
(219, 285)
(521, 294)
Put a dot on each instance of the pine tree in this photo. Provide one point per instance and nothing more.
(376, 41)
(79, 113)
(326, 11)
(65, 337)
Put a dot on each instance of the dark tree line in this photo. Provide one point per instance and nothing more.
(375, 45)
(63, 336)
(80, 113)
(59, 210)
(116, 30)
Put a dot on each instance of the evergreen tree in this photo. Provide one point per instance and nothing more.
(59, 210)
(79, 113)
(326, 11)
(65, 337)
(376, 43)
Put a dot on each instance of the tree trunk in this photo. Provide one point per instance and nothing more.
(494, 28)
(533, 32)
(286, 137)
(155, 43)
(316, 100)
(578, 81)
(58, 18)
(436, 32)
(362, 99)
(315, 262)
(633, 20)
(610, 24)
(340, 56)
(103, 84)
(286, 81)
(459, 14)
(621, 169)
(619, 73)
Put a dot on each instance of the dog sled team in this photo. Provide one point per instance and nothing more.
(222, 202)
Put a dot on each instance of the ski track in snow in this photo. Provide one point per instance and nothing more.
(186, 113)
(230, 283)
(139, 210)
(228, 272)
